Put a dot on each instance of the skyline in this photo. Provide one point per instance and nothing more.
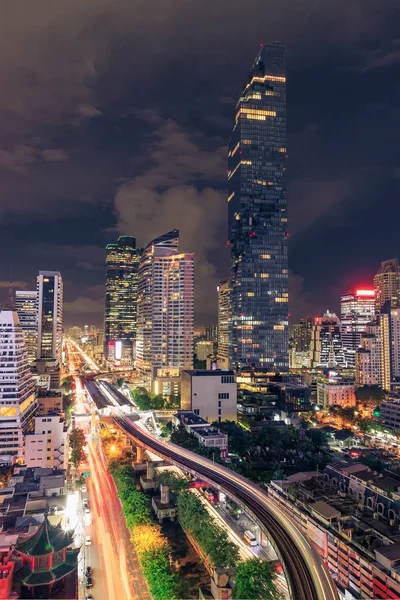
(83, 153)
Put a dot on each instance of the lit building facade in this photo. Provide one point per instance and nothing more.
(374, 357)
(210, 394)
(27, 310)
(50, 316)
(165, 325)
(224, 312)
(387, 284)
(357, 310)
(46, 446)
(122, 264)
(326, 347)
(301, 335)
(17, 389)
(257, 210)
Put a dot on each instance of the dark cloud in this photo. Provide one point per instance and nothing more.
(115, 117)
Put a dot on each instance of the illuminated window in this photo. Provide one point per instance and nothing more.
(264, 275)
(250, 293)
(266, 256)
(279, 328)
(231, 196)
(283, 220)
(284, 270)
(281, 149)
(236, 148)
(281, 299)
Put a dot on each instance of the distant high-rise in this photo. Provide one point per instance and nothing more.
(224, 291)
(165, 324)
(17, 388)
(301, 335)
(257, 209)
(27, 309)
(374, 357)
(357, 310)
(50, 316)
(211, 333)
(122, 263)
(326, 347)
(387, 284)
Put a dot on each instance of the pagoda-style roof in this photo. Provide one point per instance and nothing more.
(46, 576)
(47, 539)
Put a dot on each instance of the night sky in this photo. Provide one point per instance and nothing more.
(115, 118)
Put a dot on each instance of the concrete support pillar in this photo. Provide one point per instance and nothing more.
(150, 470)
(139, 454)
(164, 489)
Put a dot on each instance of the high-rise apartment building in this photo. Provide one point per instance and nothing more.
(122, 264)
(387, 284)
(301, 335)
(374, 357)
(165, 308)
(211, 333)
(257, 209)
(224, 313)
(27, 309)
(357, 310)
(50, 316)
(326, 347)
(17, 388)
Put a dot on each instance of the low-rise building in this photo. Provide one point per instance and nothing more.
(336, 390)
(390, 413)
(210, 394)
(49, 402)
(47, 445)
(206, 434)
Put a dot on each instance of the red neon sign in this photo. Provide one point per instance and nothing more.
(369, 293)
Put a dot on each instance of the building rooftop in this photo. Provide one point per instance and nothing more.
(46, 540)
(325, 510)
(209, 432)
(391, 551)
(208, 372)
(188, 417)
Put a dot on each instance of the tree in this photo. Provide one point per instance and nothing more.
(368, 393)
(255, 579)
(77, 441)
(176, 484)
(318, 437)
(120, 382)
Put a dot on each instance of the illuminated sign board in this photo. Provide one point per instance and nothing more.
(118, 350)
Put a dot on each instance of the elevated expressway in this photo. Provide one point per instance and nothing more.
(308, 578)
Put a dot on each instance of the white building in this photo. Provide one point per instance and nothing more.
(373, 358)
(335, 390)
(165, 323)
(50, 315)
(17, 388)
(26, 308)
(326, 347)
(46, 446)
(357, 309)
(212, 395)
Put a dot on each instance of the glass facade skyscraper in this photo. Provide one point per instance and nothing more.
(257, 210)
(27, 309)
(50, 315)
(122, 263)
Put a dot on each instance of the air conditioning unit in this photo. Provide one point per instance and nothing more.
(392, 522)
(376, 516)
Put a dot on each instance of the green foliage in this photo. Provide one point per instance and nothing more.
(239, 439)
(135, 504)
(120, 382)
(254, 578)
(211, 538)
(157, 571)
(182, 438)
(77, 441)
(368, 393)
(318, 437)
(145, 400)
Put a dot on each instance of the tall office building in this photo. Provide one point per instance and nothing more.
(165, 308)
(50, 316)
(257, 210)
(301, 335)
(326, 347)
(387, 284)
(211, 333)
(17, 388)
(357, 310)
(122, 264)
(224, 311)
(26, 308)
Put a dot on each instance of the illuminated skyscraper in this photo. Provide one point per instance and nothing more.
(301, 335)
(224, 308)
(50, 316)
(27, 309)
(165, 308)
(387, 284)
(357, 309)
(17, 388)
(326, 347)
(122, 263)
(257, 210)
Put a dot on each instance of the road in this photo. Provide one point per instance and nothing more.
(115, 565)
(307, 576)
